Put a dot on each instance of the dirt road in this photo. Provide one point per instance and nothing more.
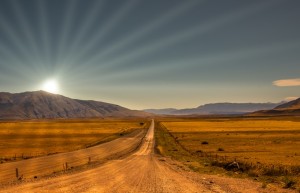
(137, 173)
(41, 166)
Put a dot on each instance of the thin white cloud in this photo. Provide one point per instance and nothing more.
(287, 82)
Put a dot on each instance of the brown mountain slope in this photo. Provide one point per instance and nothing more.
(295, 104)
(40, 104)
(289, 108)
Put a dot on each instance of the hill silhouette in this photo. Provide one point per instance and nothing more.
(44, 105)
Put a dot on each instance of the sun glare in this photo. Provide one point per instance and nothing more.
(51, 86)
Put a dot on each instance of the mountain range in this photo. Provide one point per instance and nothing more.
(217, 108)
(44, 105)
(289, 108)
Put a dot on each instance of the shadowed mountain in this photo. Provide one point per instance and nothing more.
(291, 105)
(43, 105)
(289, 108)
(217, 108)
(166, 111)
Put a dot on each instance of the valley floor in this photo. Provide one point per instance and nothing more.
(142, 171)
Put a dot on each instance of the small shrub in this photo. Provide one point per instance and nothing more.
(295, 169)
(234, 166)
(204, 143)
(288, 182)
(264, 185)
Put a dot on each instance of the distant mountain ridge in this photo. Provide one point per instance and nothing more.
(289, 108)
(294, 104)
(44, 105)
(217, 108)
(165, 111)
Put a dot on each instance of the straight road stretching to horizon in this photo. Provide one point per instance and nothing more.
(142, 171)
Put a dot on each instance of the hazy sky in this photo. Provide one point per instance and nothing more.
(153, 53)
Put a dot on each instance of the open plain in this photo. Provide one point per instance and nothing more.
(265, 149)
(264, 141)
(26, 139)
(139, 171)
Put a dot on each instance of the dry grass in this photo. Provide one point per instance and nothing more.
(258, 141)
(30, 139)
(262, 147)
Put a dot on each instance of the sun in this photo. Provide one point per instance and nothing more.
(51, 86)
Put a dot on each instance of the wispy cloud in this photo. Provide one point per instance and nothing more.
(287, 82)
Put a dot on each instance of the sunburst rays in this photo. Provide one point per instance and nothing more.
(25, 28)
(165, 42)
(73, 46)
(84, 41)
(44, 35)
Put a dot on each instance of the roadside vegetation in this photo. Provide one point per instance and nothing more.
(23, 140)
(263, 149)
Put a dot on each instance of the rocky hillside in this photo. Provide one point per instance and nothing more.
(43, 105)
(289, 108)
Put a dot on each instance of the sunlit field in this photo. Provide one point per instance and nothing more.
(23, 140)
(266, 149)
(257, 141)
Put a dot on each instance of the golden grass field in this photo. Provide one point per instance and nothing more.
(267, 149)
(36, 138)
(258, 141)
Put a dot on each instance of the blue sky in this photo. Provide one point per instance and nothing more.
(153, 54)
